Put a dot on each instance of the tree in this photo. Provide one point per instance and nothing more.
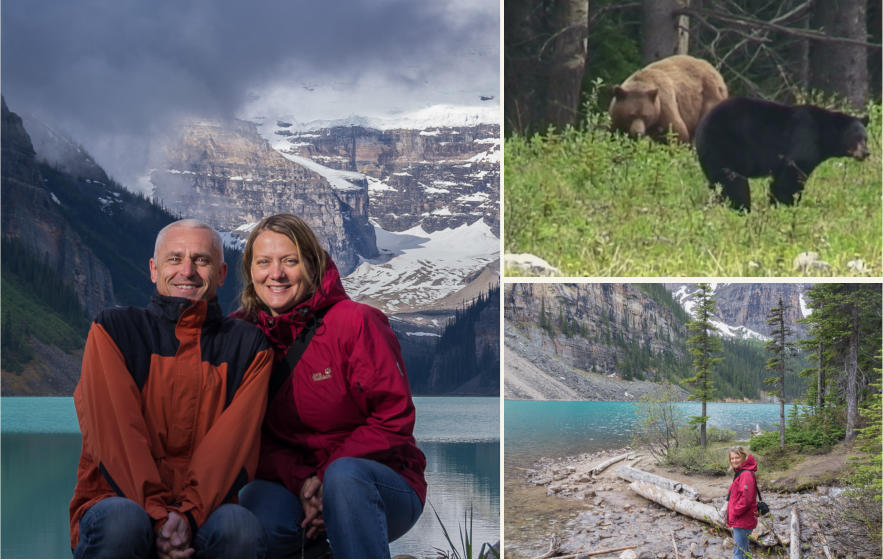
(704, 346)
(841, 68)
(544, 62)
(781, 349)
(845, 324)
(663, 32)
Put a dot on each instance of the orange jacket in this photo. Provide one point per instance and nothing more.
(170, 403)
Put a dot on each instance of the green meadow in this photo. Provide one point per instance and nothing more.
(595, 203)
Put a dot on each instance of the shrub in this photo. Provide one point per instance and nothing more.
(699, 460)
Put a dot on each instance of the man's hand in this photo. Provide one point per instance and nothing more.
(173, 540)
(311, 501)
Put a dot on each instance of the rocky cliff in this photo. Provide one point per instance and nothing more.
(748, 305)
(227, 175)
(577, 322)
(34, 216)
(440, 177)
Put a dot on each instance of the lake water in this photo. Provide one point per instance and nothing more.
(460, 437)
(536, 429)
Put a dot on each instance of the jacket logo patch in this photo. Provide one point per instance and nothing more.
(322, 375)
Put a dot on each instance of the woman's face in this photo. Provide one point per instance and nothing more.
(276, 272)
(736, 460)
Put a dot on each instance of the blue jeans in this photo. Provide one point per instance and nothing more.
(365, 505)
(120, 528)
(742, 548)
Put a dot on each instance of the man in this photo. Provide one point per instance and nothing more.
(170, 403)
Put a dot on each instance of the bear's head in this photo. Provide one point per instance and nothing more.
(855, 139)
(635, 110)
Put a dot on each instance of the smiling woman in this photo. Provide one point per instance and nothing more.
(338, 454)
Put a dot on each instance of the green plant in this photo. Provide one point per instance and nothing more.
(699, 460)
(466, 537)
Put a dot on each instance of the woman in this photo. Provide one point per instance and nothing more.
(742, 500)
(338, 452)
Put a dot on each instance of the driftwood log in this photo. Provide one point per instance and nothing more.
(691, 508)
(632, 474)
(795, 534)
(599, 468)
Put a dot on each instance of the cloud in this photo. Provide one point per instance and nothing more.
(113, 73)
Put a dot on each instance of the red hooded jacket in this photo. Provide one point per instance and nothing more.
(742, 505)
(348, 395)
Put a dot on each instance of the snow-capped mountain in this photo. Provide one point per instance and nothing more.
(417, 268)
(742, 309)
(436, 116)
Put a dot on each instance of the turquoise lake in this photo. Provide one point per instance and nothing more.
(536, 429)
(460, 437)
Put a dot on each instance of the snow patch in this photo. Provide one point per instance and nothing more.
(416, 268)
(340, 180)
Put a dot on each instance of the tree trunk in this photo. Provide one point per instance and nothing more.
(795, 534)
(659, 29)
(702, 439)
(696, 510)
(599, 468)
(852, 373)
(544, 62)
(839, 68)
(820, 378)
(632, 474)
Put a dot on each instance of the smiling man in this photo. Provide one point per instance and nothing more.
(170, 403)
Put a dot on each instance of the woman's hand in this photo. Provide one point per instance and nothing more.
(311, 501)
(173, 540)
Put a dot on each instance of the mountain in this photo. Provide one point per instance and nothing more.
(227, 175)
(74, 242)
(465, 359)
(742, 309)
(612, 342)
(436, 178)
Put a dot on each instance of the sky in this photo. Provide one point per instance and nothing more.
(114, 74)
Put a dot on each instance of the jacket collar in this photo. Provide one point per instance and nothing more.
(173, 308)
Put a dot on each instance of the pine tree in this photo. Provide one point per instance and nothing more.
(704, 346)
(780, 349)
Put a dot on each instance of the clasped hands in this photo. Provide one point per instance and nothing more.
(173, 539)
(311, 501)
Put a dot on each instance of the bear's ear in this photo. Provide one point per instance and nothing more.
(865, 120)
(651, 93)
(619, 93)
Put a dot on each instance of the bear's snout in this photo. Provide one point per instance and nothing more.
(638, 128)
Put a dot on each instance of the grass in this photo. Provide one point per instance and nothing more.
(466, 537)
(593, 203)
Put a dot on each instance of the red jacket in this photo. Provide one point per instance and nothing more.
(170, 402)
(742, 505)
(347, 397)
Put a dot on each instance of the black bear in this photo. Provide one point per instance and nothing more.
(744, 137)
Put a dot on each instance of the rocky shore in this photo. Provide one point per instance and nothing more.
(615, 517)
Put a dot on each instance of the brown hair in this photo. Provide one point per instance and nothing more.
(313, 258)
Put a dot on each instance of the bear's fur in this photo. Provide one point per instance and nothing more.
(744, 137)
(675, 92)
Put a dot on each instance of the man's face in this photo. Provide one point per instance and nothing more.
(187, 265)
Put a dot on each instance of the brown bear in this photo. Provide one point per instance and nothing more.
(675, 92)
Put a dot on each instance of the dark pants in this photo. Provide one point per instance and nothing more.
(120, 528)
(365, 505)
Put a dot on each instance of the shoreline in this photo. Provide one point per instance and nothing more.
(603, 514)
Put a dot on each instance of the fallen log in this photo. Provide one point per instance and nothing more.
(691, 508)
(609, 550)
(632, 474)
(599, 468)
(795, 534)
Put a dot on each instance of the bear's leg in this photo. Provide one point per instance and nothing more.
(735, 189)
(787, 185)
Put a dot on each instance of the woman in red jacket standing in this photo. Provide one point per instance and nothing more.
(338, 453)
(742, 500)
